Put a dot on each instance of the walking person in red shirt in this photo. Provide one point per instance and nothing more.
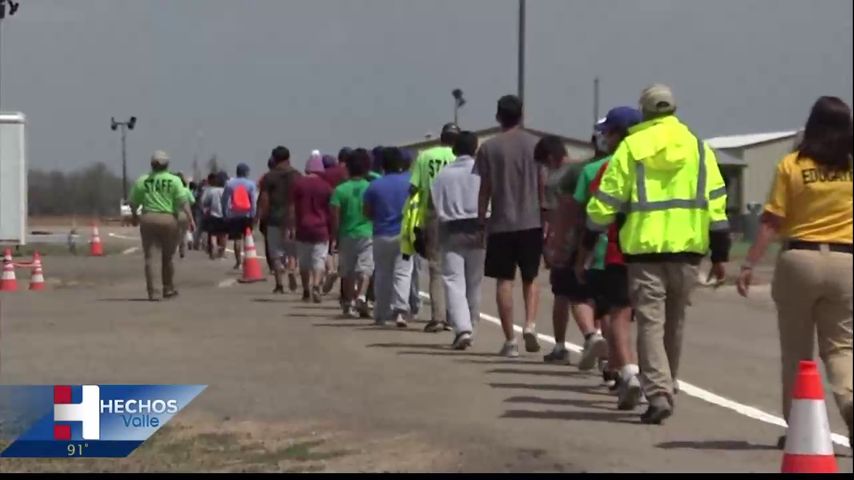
(310, 198)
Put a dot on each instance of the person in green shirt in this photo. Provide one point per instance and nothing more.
(569, 293)
(352, 234)
(161, 195)
(427, 166)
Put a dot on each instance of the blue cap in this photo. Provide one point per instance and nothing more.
(621, 118)
(242, 170)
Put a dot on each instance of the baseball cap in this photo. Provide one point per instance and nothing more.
(657, 98)
(160, 157)
(619, 118)
(451, 128)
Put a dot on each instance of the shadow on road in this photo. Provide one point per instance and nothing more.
(588, 389)
(543, 373)
(715, 445)
(609, 417)
(124, 300)
(447, 352)
(565, 402)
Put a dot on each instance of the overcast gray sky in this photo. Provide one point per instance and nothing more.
(238, 77)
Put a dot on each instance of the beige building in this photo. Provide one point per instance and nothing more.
(748, 163)
(578, 149)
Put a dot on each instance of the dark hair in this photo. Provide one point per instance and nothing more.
(221, 179)
(509, 111)
(211, 178)
(408, 158)
(280, 154)
(344, 154)
(466, 144)
(828, 135)
(392, 159)
(358, 163)
(550, 146)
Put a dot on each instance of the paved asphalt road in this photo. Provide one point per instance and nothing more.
(274, 358)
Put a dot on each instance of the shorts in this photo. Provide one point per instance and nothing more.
(237, 226)
(277, 246)
(312, 256)
(565, 284)
(355, 255)
(214, 226)
(615, 287)
(507, 250)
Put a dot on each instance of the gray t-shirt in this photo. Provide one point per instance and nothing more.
(454, 191)
(507, 160)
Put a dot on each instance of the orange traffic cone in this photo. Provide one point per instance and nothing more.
(251, 266)
(37, 279)
(8, 282)
(809, 448)
(95, 247)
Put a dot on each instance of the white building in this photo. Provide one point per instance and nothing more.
(748, 163)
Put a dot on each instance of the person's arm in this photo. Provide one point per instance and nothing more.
(614, 191)
(484, 196)
(134, 202)
(253, 197)
(769, 228)
(225, 200)
(541, 193)
(367, 207)
(335, 217)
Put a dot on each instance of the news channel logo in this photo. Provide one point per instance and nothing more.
(80, 421)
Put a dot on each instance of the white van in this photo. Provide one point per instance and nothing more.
(13, 178)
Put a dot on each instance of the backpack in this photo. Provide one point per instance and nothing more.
(240, 201)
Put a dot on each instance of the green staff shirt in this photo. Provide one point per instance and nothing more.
(159, 192)
(428, 164)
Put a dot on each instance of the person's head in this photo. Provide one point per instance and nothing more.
(597, 141)
(314, 163)
(343, 154)
(509, 113)
(616, 126)
(358, 163)
(409, 157)
(211, 178)
(392, 160)
(450, 131)
(329, 162)
(550, 151)
(657, 101)
(221, 179)
(828, 135)
(377, 159)
(242, 170)
(159, 161)
(466, 144)
(280, 156)
(193, 186)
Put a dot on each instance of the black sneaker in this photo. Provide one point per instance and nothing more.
(316, 296)
(433, 326)
(279, 289)
(781, 442)
(170, 294)
(306, 296)
(658, 411)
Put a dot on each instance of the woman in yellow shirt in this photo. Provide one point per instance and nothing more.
(810, 208)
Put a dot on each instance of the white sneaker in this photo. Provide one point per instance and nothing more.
(462, 342)
(509, 350)
(629, 394)
(595, 347)
(530, 337)
(400, 320)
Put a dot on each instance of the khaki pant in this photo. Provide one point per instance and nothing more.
(438, 305)
(159, 231)
(813, 291)
(659, 293)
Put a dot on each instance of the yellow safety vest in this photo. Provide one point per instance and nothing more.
(667, 182)
(411, 221)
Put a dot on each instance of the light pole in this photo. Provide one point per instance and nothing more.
(459, 101)
(125, 126)
(13, 9)
(521, 64)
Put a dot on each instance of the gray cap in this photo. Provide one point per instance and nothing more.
(160, 157)
(657, 98)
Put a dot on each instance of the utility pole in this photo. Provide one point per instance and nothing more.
(595, 100)
(125, 126)
(459, 101)
(521, 61)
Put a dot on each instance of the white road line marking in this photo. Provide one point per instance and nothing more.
(684, 387)
(129, 250)
(228, 282)
(123, 237)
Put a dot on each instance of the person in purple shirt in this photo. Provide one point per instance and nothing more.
(384, 201)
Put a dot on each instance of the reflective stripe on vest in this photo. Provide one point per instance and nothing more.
(644, 205)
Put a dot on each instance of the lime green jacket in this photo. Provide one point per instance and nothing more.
(411, 221)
